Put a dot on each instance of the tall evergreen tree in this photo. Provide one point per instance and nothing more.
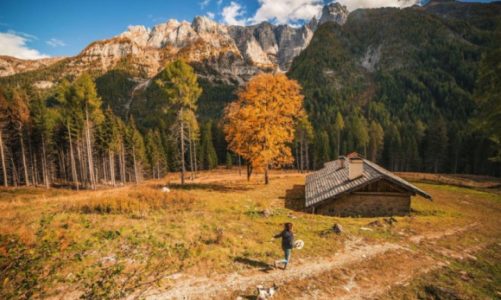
(179, 83)
(376, 140)
(20, 116)
(155, 153)
(136, 149)
(338, 129)
(208, 156)
(436, 144)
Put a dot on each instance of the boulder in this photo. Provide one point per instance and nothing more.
(337, 228)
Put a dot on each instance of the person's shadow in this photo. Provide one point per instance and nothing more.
(262, 266)
(294, 198)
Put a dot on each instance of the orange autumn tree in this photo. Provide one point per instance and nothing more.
(261, 122)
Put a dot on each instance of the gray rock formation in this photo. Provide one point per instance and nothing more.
(334, 12)
(219, 52)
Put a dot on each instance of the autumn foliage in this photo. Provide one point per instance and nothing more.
(261, 122)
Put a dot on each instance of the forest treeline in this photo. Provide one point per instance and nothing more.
(68, 137)
(409, 89)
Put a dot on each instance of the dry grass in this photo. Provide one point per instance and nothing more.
(115, 241)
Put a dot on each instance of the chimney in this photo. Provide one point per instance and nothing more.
(355, 168)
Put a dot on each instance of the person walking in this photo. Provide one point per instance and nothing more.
(287, 244)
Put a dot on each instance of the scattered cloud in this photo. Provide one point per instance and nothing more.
(15, 44)
(287, 11)
(355, 4)
(233, 14)
(219, 2)
(53, 42)
(204, 3)
(211, 15)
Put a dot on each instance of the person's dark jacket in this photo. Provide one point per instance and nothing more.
(287, 239)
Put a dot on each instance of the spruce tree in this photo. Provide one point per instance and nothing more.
(208, 156)
(179, 83)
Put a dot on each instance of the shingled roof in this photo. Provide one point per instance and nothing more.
(332, 181)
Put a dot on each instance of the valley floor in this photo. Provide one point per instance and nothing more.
(212, 239)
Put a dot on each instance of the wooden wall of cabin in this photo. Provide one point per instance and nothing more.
(367, 204)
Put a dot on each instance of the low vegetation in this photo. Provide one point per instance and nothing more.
(111, 243)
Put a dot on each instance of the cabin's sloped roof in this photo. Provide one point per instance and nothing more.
(332, 180)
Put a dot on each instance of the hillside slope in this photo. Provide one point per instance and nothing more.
(414, 71)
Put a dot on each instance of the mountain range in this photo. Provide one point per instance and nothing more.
(227, 53)
(419, 76)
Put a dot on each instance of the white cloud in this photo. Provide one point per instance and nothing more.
(219, 2)
(233, 13)
(53, 42)
(355, 4)
(287, 11)
(204, 3)
(211, 15)
(14, 44)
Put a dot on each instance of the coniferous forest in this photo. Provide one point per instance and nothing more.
(413, 98)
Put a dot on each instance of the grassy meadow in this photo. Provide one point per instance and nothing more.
(110, 243)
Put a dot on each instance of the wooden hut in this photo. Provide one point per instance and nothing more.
(354, 186)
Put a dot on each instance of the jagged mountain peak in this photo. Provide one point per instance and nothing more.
(334, 12)
(232, 52)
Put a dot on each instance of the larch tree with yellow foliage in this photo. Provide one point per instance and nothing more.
(261, 123)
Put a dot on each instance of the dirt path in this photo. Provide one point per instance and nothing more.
(356, 256)
(185, 287)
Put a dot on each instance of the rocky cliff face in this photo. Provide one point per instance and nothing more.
(219, 52)
(11, 65)
(334, 12)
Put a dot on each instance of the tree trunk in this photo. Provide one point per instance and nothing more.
(135, 165)
(338, 143)
(25, 167)
(191, 152)
(298, 159)
(15, 177)
(195, 164)
(74, 174)
(307, 156)
(181, 137)
(122, 163)
(239, 165)
(90, 159)
(33, 163)
(266, 177)
(111, 160)
(249, 171)
(46, 179)
(4, 168)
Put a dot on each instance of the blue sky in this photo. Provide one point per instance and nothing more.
(33, 28)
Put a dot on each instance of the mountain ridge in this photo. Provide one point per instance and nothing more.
(232, 53)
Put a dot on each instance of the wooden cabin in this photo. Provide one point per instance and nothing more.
(354, 186)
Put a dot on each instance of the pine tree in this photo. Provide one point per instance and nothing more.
(179, 83)
(109, 135)
(360, 132)
(436, 141)
(304, 137)
(4, 110)
(338, 129)
(44, 121)
(322, 147)
(20, 116)
(136, 149)
(376, 140)
(155, 153)
(84, 91)
(208, 156)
